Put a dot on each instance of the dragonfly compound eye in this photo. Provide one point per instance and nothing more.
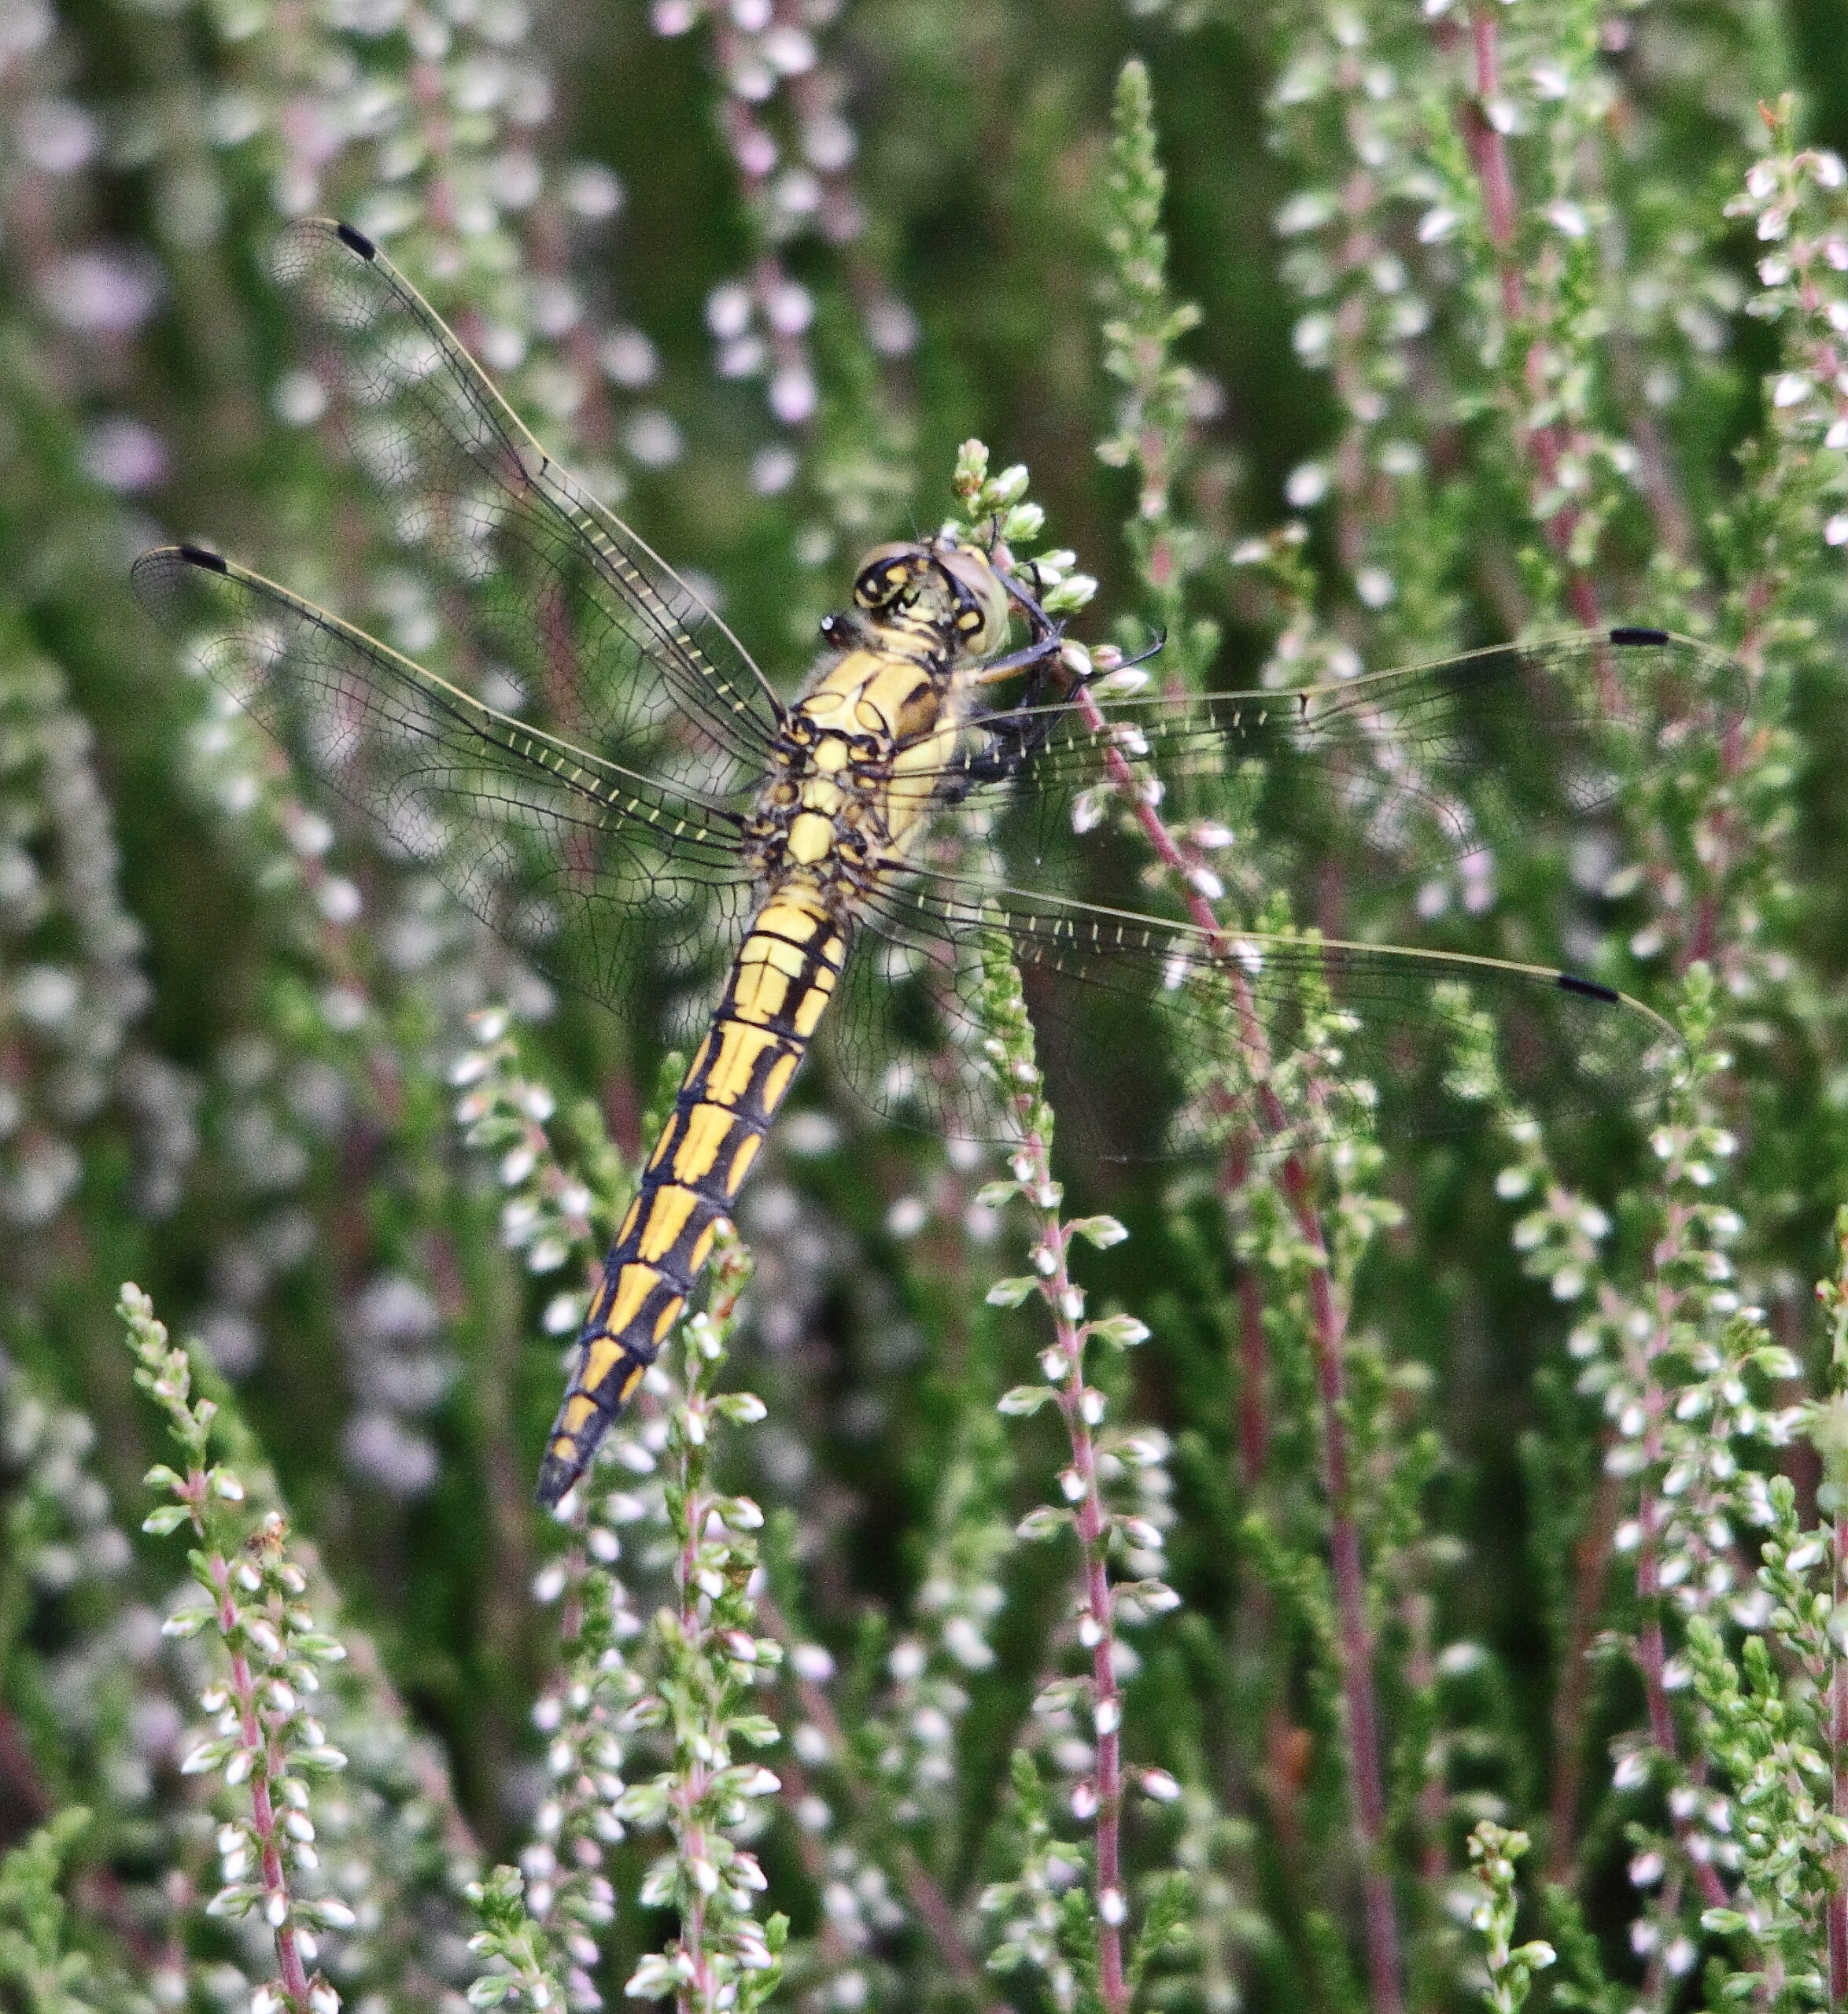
(978, 599)
(889, 576)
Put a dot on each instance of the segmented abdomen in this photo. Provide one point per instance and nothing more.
(779, 984)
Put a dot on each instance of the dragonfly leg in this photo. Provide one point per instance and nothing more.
(1017, 734)
(1000, 759)
(1014, 737)
(1046, 632)
(1142, 656)
(994, 669)
(1041, 624)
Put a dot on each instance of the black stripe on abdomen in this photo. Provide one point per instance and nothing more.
(781, 983)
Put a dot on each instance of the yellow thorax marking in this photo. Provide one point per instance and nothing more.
(823, 794)
(811, 839)
(827, 701)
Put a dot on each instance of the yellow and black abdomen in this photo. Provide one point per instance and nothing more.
(780, 984)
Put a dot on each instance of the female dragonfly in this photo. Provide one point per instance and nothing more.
(602, 772)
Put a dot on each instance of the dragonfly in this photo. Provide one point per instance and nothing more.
(601, 772)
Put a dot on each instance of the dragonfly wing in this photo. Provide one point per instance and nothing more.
(903, 1031)
(621, 653)
(1275, 1038)
(1388, 781)
(1401, 775)
(586, 866)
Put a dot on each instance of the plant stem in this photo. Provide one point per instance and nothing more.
(1591, 1559)
(1836, 1906)
(1328, 1336)
(242, 1687)
(1097, 1621)
(1543, 445)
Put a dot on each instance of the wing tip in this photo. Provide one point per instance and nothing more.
(1590, 989)
(356, 241)
(1636, 639)
(202, 556)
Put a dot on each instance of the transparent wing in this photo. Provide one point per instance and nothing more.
(1156, 1036)
(1373, 785)
(610, 647)
(1400, 772)
(588, 867)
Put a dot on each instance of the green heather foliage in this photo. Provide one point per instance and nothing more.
(1400, 1576)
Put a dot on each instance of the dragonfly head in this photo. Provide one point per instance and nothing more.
(949, 586)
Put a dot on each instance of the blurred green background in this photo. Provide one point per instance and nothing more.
(757, 273)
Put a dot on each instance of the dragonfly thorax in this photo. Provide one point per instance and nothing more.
(861, 755)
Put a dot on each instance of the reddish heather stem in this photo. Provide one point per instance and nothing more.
(263, 1810)
(1836, 1908)
(1327, 1329)
(1489, 151)
(1591, 1561)
(1093, 1523)
(1254, 1425)
(1327, 1338)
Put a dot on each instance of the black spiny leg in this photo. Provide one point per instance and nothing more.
(1017, 735)
(1032, 657)
(1014, 738)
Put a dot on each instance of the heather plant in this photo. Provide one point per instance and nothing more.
(1322, 1567)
